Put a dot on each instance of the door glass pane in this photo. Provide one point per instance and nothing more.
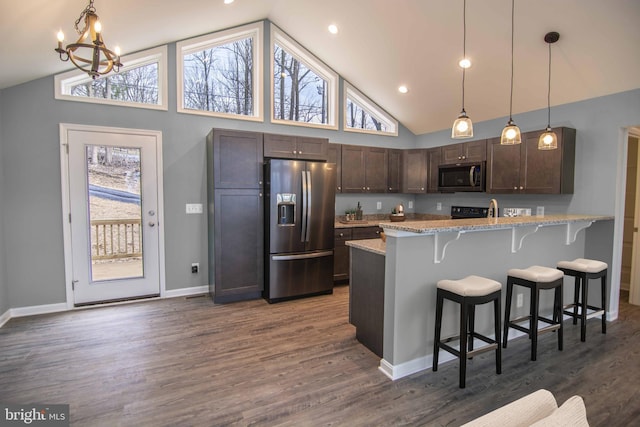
(113, 174)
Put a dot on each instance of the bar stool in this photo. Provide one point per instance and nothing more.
(468, 292)
(536, 279)
(583, 270)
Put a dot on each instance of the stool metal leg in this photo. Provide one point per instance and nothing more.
(464, 321)
(604, 302)
(497, 311)
(533, 322)
(507, 312)
(583, 305)
(436, 340)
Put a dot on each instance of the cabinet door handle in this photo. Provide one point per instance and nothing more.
(339, 188)
(341, 234)
(521, 187)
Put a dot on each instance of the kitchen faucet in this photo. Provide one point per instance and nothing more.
(493, 209)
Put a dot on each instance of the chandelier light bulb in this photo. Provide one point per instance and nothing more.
(117, 50)
(97, 27)
(60, 36)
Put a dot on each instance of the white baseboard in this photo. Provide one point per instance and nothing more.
(183, 292)
(38, 309)
(6, 316)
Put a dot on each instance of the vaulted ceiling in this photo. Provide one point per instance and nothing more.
(381, 44)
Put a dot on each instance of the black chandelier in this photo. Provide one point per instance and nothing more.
(93, 58)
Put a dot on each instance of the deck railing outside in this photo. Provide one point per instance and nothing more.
(116, 238)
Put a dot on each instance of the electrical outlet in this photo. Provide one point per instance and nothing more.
(439, 206)
(195, 266)
(520, 300)
(378, 205)
(410, 204)
(540, 211)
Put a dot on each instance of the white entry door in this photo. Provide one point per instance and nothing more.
(113, 185)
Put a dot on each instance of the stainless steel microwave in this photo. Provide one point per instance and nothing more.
(462, 177)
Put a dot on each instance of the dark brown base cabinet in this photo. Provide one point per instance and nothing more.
(366, 299)
(523, 169)
(341, 259)
(235, 215)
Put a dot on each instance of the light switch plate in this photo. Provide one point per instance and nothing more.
(410, 204)
(439, 206)
(379, 205)
(194, 208)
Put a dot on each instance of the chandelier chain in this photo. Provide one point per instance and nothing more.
(89, 9)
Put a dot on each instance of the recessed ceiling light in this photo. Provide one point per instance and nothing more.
(465, 63)
(403, 89)
(333, 29)
(228, 1)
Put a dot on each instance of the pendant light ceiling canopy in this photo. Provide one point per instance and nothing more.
(463, 127)
(511, 132)
(549, 140)
(91, 56)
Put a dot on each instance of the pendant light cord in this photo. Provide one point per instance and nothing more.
(511, 93)
(464, 45)
(549, 91)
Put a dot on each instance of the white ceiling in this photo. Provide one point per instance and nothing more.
(381, 44)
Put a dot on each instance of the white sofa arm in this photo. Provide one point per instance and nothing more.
(520, 413)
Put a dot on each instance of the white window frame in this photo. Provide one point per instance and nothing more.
(314, 64)
(65, 81)
(186, 47)
(370, 108)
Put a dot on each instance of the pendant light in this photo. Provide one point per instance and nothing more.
(463, 127)
(549, 140)
(511, 132)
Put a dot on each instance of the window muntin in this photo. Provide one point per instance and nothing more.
(362, 115)
(304, 91)
(142, 82)
(220, 74)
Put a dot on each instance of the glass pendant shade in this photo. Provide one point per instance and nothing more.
(548, 140)
(462, 127)
(510, 134)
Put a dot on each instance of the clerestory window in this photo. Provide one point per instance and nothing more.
(304, 90)
(220, 74)
(363, 115)
(142, 82)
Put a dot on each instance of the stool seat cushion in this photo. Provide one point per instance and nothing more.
(471, 286)
(536, 273)
(584, 265)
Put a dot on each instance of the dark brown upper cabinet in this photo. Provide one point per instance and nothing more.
(434, 156)
(415, 171)
(237, 159)
(295, 147)
(394, 171)
(364, 169)
(334, 155)
(525, 169)
(464, 152)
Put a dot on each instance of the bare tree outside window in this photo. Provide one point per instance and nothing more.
(299, 94)
(138, 84)
(358, 118)
(220, 78)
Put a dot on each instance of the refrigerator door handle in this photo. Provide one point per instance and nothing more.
(303, 230)
(301, 256)
(309, 205)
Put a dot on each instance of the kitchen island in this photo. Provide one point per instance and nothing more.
(418, 254)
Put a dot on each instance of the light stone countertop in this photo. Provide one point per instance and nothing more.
(377, 246)
(482, 224)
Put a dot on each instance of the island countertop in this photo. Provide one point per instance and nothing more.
(376, 246)
(481, 224)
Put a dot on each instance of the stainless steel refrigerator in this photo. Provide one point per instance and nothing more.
(299, 219)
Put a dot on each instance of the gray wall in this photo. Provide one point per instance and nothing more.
(31, 199)
(4, 292)
(598, 122)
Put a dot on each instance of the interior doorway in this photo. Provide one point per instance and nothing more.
(112, 183)
(630, 265)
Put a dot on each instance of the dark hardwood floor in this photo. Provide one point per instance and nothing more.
(186, 361)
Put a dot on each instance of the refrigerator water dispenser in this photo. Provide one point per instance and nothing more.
(286, 208)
